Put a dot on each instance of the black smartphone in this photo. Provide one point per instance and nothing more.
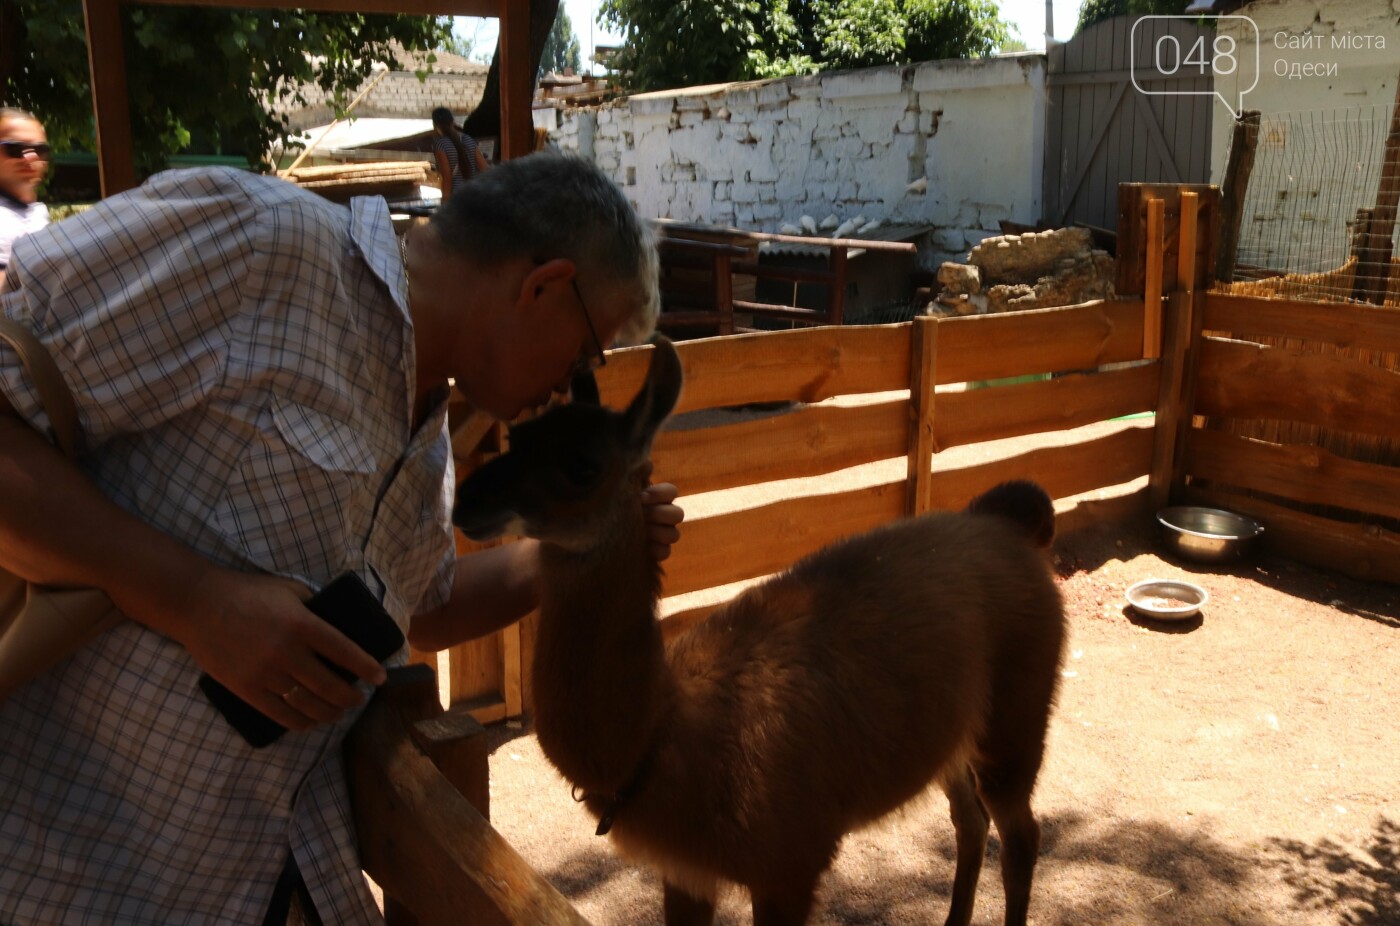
(348, 605)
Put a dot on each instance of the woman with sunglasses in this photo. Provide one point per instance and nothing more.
(24, 160)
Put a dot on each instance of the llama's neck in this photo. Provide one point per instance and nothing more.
(601, 684)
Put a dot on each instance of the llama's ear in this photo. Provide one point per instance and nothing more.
(583, 388)
(658, 396)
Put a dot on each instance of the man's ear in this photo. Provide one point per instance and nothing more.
(543, 276)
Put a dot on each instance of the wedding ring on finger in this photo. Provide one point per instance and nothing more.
(290, 691)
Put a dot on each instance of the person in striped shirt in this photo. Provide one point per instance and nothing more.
(457, 154)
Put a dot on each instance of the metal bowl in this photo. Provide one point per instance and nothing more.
(1207, 535)
(1167, 599)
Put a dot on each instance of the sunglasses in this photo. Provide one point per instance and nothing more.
(18, 149)
(598, 358)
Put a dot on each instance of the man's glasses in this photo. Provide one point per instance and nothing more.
(18, 149)
(598, 358)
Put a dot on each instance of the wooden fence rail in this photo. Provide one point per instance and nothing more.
(1093, 350)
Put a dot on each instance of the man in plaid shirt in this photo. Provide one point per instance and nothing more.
(261, 380)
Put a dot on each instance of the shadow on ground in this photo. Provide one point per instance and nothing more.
(1361, 886)
(1139, 871)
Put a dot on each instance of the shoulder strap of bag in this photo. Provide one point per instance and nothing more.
(54, 394)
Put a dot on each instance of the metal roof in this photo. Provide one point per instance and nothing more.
(883, 232)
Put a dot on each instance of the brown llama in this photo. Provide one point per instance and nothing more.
(812, 704)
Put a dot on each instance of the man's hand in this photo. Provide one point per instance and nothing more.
(253, 634)
(663, 517)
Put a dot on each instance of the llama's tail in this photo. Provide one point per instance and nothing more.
(1022, 502)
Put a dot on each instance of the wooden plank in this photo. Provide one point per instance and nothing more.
(1361, 551)
(1173, 413)
(1148, 117)
(1187, 228)
(1071, 469)
(107, 64)
(484, 710)
(1058, 404)
(806, 365)
(483, 8)
(1176, 389)
(1239, 379)
(758, 541)
(517, 79)
(982, 347)
(1129, 508)
(1301, 473)
(1343, 324)
(512, 669)
(1152, 293)
(1234, 188)
(426, 845)
(1132, 233)
(1065, 471)
(804, 442)
(923, 375)
(822, 277)
(1090, 152)
(476, 670)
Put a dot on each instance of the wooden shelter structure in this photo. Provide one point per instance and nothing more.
(107, 61)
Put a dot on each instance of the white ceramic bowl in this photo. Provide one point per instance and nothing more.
(1167, 599)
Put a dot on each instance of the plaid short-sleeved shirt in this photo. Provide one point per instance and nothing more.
(242, 360)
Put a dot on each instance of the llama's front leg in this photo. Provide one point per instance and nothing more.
(682, 909)
(788, 905)
(970, 827)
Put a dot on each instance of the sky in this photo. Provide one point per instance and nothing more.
(1027, 15)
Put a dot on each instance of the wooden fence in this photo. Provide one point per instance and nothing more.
(857, 395)
(1301, 409)
(898, 414)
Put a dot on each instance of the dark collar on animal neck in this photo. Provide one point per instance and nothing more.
(614, 802)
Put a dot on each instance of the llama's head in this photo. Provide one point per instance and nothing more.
(566, 470)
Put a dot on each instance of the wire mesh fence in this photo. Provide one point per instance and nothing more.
(1307, 220)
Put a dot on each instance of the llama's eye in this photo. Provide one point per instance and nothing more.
(580, 471)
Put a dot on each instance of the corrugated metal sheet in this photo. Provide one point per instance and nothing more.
(881, 232)
(368, 132)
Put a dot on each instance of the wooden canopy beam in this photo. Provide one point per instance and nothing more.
(107, 66)
(484, 8)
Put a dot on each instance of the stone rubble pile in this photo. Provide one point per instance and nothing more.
(1032, 271)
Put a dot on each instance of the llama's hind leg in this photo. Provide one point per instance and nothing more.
(1009, 801)
(970, 827)
(684, 909)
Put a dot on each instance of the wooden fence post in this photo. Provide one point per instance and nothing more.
(1175, 391)
(923, 379)
(1382, 231)
(1233, 190)
(1152, 292)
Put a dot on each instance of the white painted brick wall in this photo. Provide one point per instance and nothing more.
(761, 154)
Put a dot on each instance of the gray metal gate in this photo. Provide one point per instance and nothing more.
(1102, 131)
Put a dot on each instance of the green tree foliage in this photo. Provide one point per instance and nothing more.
(561, 49)
(199, 79)
(1098, 10)
(941, 29)
(677, 43)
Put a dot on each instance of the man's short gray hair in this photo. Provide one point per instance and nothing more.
(549, 205)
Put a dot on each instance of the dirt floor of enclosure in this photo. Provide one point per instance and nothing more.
(1237, 768)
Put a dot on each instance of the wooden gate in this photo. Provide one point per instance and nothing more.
(1101, 130)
